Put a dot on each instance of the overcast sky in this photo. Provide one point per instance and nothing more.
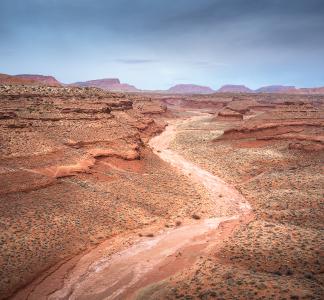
(154, 44)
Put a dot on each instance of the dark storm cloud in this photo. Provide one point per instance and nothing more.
(280, 22)
(149, 16)
(170, 17)
(209, 41)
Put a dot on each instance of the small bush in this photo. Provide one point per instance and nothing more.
(195, 216)
(289, 272)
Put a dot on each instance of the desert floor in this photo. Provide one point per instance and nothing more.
(114, 196)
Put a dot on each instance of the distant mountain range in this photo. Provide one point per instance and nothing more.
(230, 88)
(114, 84)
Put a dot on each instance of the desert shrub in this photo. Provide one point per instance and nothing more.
(195, 216)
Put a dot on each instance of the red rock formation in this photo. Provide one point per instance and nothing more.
(268, 129)
(154, 107)
(241, 105)
(28, 80)
(41, 79)
(195, 103)
(227, 114)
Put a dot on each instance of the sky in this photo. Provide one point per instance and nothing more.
(154, 44)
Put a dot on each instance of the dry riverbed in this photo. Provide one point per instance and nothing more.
(108, 272)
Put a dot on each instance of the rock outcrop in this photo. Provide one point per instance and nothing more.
(227, 114)
(274, 130)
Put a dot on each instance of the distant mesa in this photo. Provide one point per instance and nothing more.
(99, 82)
(29, 79)
(190, 89)
(41, 79)
(276, 89)
(109, 84)
(232, 88)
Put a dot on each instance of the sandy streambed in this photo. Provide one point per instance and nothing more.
(216, 186)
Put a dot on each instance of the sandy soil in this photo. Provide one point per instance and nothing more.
(150, 259)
